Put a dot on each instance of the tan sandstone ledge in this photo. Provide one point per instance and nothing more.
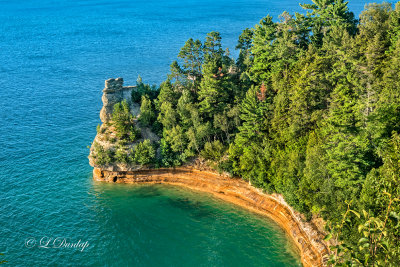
(306, 237)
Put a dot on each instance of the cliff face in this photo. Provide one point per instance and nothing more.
(106, 139)
(113, 93)
(305, 236)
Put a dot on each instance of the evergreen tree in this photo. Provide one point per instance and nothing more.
(122, 119)
(310, 110)
(326, 14)
(262, 50)
(167, 116)
(147, 115)
(213, 92)
(192, 55)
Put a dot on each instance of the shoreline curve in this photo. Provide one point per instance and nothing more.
(305, 236)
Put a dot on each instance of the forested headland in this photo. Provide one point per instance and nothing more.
(310, 109)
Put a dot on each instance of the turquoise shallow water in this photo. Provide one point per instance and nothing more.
(54, 58)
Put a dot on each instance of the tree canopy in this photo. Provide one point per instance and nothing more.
(310, 109)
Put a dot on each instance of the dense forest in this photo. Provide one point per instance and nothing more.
(310, 109)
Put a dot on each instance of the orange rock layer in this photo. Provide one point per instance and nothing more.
(305, 236)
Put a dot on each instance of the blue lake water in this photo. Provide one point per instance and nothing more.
(54, 58)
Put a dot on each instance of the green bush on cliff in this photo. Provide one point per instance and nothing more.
(123, 122)
(102, 156)
(168, 157)
(121, 154)
(147, 115)
(143, 89)
(310, 110)
(100, 129)
(134, 134)
(143, 153)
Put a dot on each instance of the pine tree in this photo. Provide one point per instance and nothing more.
(262, 50)
(192, 55)
(147, 115)
(213, 92)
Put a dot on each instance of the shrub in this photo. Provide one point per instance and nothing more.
(213, 151)
(102, 156)
(168, 157)
(123, 122)
(122, 119)
(136, 96)
(144, 153)
(99, 129)
(147, 115)
(143, 89)
(121, 155)
(134, 135)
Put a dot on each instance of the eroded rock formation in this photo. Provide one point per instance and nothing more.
(113, 93)
(305, 236)
(106, 139)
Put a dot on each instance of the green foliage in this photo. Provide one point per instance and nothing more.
(213, 151)
(212, 46)
(168, 157)
(134, 134)
(192, 55)
(329, 103)
(377, 242)
(144, 153)
(310, 110)
(326, 14)
(244, 45)
(121, 155)
(167, 116)
(262, 50)
(102, 157)
(122, 120)
(147, 115)
(143, 89)
(176, 137)
(167, 94)
(212, 93)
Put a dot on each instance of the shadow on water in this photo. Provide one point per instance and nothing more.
(147, 191)
(196, 208)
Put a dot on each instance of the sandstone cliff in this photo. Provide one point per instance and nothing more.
(106, 139)
(306, 236)
(113, 93)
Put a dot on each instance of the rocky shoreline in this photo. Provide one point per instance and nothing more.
(305, 236)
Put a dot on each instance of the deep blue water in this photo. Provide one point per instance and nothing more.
(54, 58)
